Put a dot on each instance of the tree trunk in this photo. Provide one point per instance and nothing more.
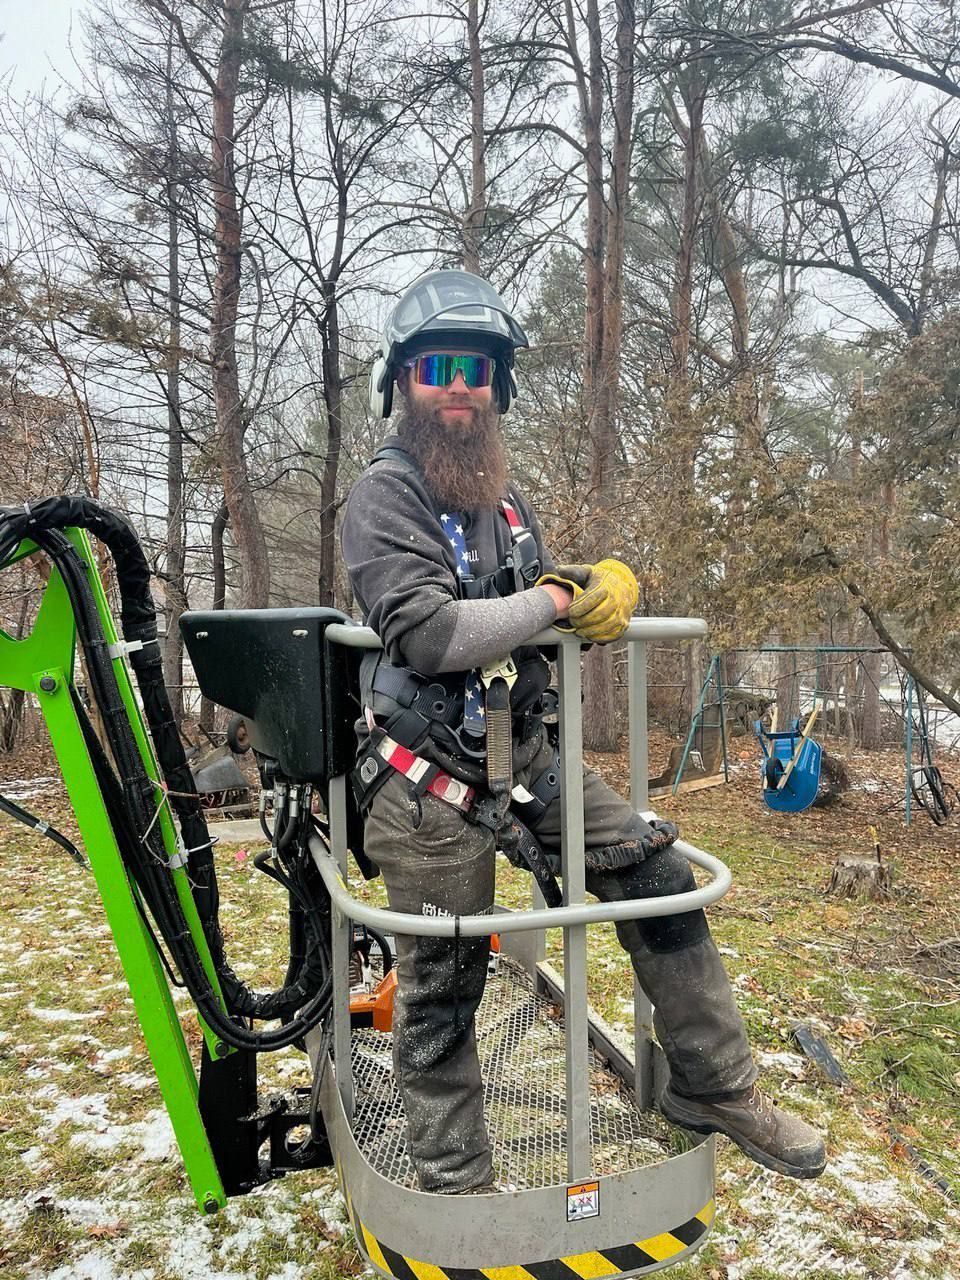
(231, 413)
(854, 877)
(835, 676)
(591, 106)
(854, 705)
(870, 726)
(694, 673)
(928, 271)
(12, 704)
(851, 698)
(174, 582)
(332, 375)
(208, 714)
(788, 689)
(679, 390)
(690, 134)
(475, 216)
(333, 399)
(871, 730)
(604, 339)
(729, 263)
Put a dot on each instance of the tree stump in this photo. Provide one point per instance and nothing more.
(857, 877)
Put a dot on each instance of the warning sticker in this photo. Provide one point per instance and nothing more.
(583, 1201)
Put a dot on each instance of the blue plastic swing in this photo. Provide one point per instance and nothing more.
(790, 769)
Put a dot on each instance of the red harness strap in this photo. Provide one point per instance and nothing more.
(443, 786)
(519, 533)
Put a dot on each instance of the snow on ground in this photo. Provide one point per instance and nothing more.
(56, 1015)
(785, 1063)
(779, 1228)
(20, 789)
(865, 1218)
(851, 1222)
(868, 1180)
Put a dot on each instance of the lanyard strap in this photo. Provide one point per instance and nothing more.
(452, 522)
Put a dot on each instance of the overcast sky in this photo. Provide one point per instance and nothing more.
(35, 36)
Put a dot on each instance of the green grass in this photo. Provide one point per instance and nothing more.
(76, 1094)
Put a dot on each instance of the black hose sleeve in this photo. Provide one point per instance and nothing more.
(133, 797)
(383, 946)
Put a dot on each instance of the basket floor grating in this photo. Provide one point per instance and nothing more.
(523, 1059)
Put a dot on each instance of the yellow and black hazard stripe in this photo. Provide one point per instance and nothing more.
(609, 1264)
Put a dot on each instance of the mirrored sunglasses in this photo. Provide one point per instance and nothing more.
(439, 370)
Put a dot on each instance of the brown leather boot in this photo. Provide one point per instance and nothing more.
(772, 1137)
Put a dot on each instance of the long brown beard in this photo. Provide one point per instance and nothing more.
(465, 470)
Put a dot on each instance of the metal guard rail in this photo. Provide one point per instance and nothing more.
(518, 921)
(639, 630)
(360, 637)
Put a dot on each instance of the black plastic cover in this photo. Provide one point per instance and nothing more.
(298, 695)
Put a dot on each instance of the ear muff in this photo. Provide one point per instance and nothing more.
(380, 388)
(504, 387)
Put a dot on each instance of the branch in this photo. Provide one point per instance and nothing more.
(902, 310)
(544, 127)
(760, 43)
(810, 19)
(903, 656)
(184, 41)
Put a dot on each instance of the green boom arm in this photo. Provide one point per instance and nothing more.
(43, 664)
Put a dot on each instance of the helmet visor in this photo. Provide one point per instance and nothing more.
(437, 369)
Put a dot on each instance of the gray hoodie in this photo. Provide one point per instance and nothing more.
(404, 574)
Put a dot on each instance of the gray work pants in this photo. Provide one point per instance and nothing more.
(436, 862)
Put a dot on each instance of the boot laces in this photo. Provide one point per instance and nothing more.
(764, 1104)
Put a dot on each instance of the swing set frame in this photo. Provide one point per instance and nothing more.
(923, 784)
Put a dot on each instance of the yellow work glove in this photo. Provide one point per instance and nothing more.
(573, 577)
(603, 612)
(604, 598)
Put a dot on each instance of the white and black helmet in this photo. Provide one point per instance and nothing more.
(446, 309)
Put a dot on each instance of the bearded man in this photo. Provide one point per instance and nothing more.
(447, 562)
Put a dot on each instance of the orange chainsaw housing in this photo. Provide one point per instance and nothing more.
(375, 1008)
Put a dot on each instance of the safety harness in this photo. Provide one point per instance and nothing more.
(386, 754)
(418, 705)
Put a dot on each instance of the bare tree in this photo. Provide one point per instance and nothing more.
(174, 578)
(321, 208)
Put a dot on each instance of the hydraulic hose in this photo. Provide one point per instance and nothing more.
(133, 798)
(14, 810)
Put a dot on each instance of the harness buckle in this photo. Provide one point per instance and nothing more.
(499, 668)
